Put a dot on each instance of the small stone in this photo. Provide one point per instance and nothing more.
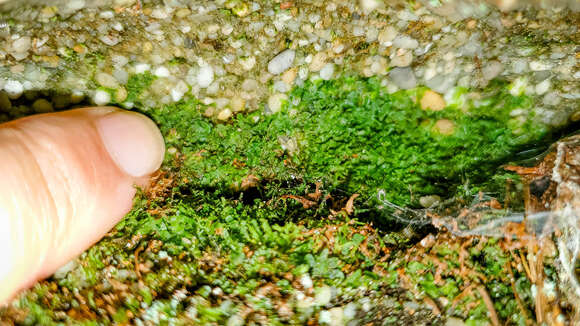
(248, 63)
(429, 201)
(42, 106)
(444, 126)
(142, 67)
(323, 295)
(336, 316)
(109, 40)
(106, 80)
(275, 102)
(318, 61)
(13, 89)
(543, 87)
(281, 62)
(306, 281)
(101, 97)
(162, 72)
(324, 317)
(405, 42)
(540, 66)
(205, 76)
(387, 35)
(61, 101)
(403, 77)
(289, 76)
(238, 104)
(369, 5)
(65, 269)
(121, 95)
(224, 114)
(432, 101)
(74, 5)
(235, 320)
(327, 71)
(491, 70)
(403, 58)
(5, 104)
(22, 44)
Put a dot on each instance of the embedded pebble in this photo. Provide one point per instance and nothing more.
(543, 87)
(405, 42)
(22, 44)
(323, 295)
(429, 201)
(281, 62)
(318, 62)
(13, 89)
(491, 70)
(402, 58)
(276, 101)
(162, 72)
(432, 101)
(403, 77)
(205, 76)
(101, 97)
(224, 114)
(106, 80)
(445, 127)
(327, 71)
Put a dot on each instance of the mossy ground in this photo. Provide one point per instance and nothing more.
(244, 213)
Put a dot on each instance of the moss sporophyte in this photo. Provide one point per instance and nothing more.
(274, 218)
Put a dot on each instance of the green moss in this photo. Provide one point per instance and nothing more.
(137, 84)
(355, 138)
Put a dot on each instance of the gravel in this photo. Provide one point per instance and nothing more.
(266, 48)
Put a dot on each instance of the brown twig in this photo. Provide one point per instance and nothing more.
(489, 304)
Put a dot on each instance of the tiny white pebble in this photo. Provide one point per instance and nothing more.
(161, 72)
(101, 97)
(13, 89)
(205, 76)
(141, 68)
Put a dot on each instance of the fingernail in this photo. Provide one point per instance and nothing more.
(133, 141)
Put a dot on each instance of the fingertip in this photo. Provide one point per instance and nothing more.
(133, 141)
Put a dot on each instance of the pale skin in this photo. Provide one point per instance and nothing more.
(67, 179)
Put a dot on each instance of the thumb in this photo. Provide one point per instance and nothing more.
(67, 179)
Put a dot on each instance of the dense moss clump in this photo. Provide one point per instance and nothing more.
(353, 137)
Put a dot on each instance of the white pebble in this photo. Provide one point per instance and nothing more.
(106, 80)
(281, 62)
(539, 66)
(142, 67)
(101, 97)
(74, 5)
(13, 89)
(405, 42)
(22, 44)
(324, 317)
(306, 281)
(162, 72)
(543, 87)
(205, 76)
(225, 114)
(275, 102)
(323, 296)
(327, 71)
